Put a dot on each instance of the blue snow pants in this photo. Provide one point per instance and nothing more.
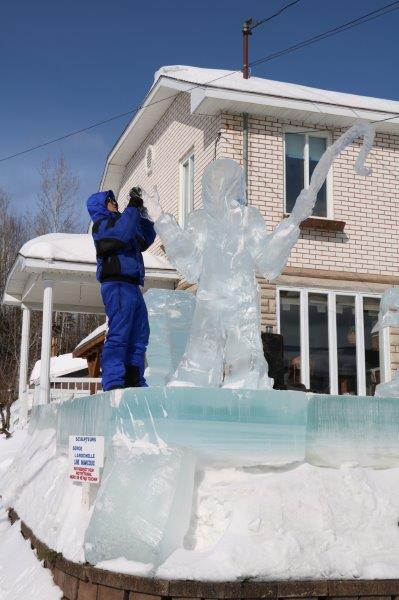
(122, 360)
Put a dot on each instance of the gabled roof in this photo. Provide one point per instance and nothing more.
(215, 90)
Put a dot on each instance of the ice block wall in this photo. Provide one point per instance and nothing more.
(353, 429)
(156, 438)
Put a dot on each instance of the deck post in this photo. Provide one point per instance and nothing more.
(46, 341)
(23, 365)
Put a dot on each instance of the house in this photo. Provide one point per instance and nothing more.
(325, 303)
(327, 299)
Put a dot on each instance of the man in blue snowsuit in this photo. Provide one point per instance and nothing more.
(120, 239)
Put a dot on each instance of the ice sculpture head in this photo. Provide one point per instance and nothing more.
(223, 186)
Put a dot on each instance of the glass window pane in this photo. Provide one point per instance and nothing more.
(290, 330)
(371, 306)
(346, 345)
(317, 147)
(294, 168)
(319, 365)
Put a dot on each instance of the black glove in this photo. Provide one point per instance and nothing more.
(135, 198)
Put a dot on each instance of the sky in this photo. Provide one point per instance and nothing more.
(66, 65)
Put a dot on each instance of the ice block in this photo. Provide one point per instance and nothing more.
(143, 508)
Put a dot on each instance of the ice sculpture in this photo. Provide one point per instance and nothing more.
(352, 429)
(143, 508)
(389, 317)
(170, 313)
(221, 248)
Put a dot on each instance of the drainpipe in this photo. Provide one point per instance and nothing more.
(245, 129)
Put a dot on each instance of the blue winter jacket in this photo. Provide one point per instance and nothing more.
(120, 238)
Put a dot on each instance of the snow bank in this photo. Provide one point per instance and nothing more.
(300, 522)
(23, 578)
(267, 522)
(235, 81)
(59, 366)
(37, 485)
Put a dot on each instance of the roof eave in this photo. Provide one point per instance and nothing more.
(156, 103)
(211, 100)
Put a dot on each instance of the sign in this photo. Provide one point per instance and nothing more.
(86, 457)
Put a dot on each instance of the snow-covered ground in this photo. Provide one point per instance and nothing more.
(295, 521)
(21, 574)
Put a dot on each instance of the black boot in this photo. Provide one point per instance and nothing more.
(132, 376)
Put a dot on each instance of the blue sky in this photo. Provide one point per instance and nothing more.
(66, 65)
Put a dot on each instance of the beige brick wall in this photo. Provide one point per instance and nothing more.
(174, 136)
(369, 206)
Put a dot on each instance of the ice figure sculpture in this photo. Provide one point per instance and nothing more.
(221, 248)
(389, 317)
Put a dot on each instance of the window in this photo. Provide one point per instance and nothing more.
(302, 153)
(327, 340)
(186, 188)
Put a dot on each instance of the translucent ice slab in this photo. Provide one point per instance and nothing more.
(239, 426)
(170, 314)
(143, 508)
(361, 430)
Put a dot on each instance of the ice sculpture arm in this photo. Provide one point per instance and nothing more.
(271, 252)
(184, 247)
(307, 198)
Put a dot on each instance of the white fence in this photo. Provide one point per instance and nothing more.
(66, 388)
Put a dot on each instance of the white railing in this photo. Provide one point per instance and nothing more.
(68, 388)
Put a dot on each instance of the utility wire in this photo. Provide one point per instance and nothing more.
(276, 14)
(392, 6)
(119, 116)
(348, 25)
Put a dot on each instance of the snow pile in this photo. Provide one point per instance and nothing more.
(23, 578)
(234, 80)
(38, 487)
(60, 366)
(299, 522)
(295, 521)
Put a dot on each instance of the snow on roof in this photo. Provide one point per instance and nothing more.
(59, 366)
(77, 247)
(71, 247)
(100, 329)
(219, 78)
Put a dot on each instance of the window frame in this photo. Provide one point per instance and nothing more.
(186, 205)
(332, 334)
(329, 182)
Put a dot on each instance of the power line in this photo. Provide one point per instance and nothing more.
(115, 117)
(276, 14)
(330, 32)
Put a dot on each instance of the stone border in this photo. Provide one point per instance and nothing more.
(84, 582)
